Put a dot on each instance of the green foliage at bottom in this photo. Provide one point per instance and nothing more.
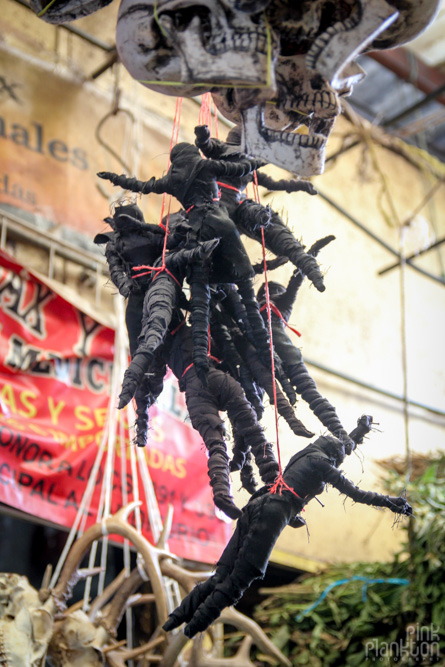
(383, 623)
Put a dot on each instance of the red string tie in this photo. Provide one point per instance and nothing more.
(176, 329)
(157, 270)
(279, 484)
(275, 310)
(187, 369)
(218, 361)
(193, 205)
(164, 268)
(228, 187)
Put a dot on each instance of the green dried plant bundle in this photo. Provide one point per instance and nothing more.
(380, 623)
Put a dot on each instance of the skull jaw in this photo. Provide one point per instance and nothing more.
(303, 155)
(342, 42)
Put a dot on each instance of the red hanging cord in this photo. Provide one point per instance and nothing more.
(215, 117)
(173, 142)
(279, 483)
(275, 310)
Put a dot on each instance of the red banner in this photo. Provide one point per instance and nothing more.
(55, 372)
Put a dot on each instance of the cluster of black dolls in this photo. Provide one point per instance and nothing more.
(221, 352)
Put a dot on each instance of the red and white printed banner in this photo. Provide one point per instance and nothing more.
(55, 372)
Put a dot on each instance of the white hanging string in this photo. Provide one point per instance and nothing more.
(104, 510)
(104, 504)
(85, 502)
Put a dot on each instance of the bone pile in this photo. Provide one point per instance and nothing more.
(38, 625)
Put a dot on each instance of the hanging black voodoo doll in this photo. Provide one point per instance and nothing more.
(162, 297)
(193, 181)
(248, 215)
(282, 302)
(265, 516)
(133, 242)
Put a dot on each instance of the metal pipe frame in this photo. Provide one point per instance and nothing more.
(415, 254)
(24, 231)
(377, 239)
(378, 390)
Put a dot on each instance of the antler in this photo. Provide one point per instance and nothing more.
(117, 657)
(107, 594)
(118, 525)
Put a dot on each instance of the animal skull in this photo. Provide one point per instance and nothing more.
(189, 46)
(76, 642)
(25, 625)
(27, 616)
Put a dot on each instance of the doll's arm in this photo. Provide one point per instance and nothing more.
(288, 185)
(116, 267)
(333, 476)
(158, 186)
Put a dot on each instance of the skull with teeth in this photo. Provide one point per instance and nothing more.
(319, 41)
(185, 48)
(304, 98)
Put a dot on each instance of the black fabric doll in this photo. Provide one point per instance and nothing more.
(193, 181)
(163, 295)
(282, 300)
(264, 518)
(248, 215)
(132, 242)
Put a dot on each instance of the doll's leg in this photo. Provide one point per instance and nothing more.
(146, 394)
(247, 475)
(244, 560)
(204, 416)
(250, 216)
(159, 302)
(307, 388)
(133, 319)
(200, 593)
(244, 421)
(141, 427)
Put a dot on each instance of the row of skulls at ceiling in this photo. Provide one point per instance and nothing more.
(271, 65)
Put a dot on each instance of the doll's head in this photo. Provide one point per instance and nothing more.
(184, 151)
(127, 210)
(275, 290)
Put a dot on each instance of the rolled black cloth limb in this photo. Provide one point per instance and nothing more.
(247, 475)
(187, 608)
(321, 407)
(145, 396)
(127, 183)
(200, 306)
(242, 460)
(250, 434)
(141, 427)
(203, 405)
(271, 264)
(257, 332)
(284, 381)
(219, 478)
(278, 238)
(133, 376)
